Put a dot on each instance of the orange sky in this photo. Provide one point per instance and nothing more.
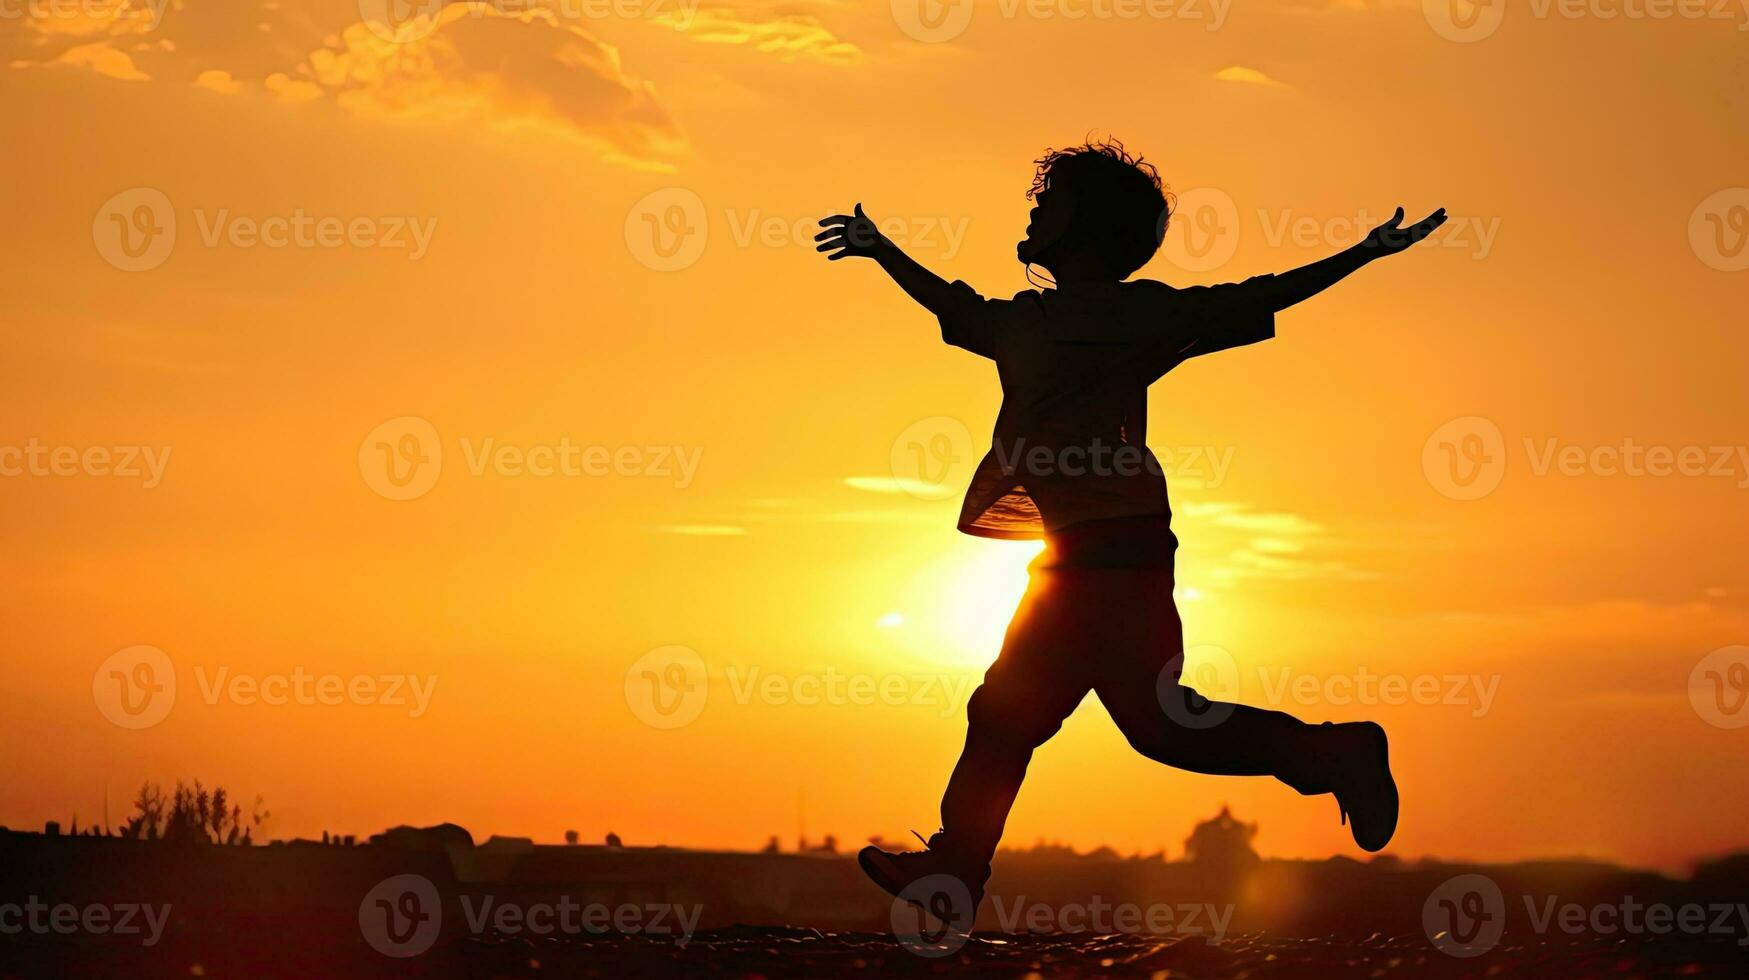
(1587, 293)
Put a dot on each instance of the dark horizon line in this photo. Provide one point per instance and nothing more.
(1692, 862)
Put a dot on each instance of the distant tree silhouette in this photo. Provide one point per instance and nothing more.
(194, 815)
(148, 814)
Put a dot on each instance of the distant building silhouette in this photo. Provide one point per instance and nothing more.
(1222, 843)
(438, 838)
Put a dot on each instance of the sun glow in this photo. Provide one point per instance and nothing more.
(955, 609)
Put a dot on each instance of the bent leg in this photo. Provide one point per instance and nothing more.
(1170, 723)
(1173, 724)
(1139, 683)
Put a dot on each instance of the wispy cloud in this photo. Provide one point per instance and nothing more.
(787, 37)
(1247, 76)
(1240, 516)
(894, 485)
(102, 58)
(218, 80)
(1269, 544)
(703, 530)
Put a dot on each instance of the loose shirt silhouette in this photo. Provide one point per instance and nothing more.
(1070, 442)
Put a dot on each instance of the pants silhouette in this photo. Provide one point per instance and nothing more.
(1098, 615)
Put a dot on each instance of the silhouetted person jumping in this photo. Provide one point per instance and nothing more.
(1070, 463)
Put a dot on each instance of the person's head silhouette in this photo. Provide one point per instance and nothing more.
(1099, 213)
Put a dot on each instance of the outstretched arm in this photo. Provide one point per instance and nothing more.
(1307, 281)
(856, 235)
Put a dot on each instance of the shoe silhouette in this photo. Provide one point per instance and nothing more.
(938, 880)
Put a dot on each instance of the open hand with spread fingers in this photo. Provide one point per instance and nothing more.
(850, 234)
(1391, 237)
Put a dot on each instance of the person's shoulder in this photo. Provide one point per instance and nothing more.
(1021, 303)
(1025, 296)
(1150, 293)
(1152, 289)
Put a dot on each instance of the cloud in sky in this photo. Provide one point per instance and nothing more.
(218, 80)
(1269, 544)
(505, 71)
(1247, 76)
(788, 37)
(475, 66)
(529, 66)
(703, 530)
(896, 485)
(89, 18)
(100, 57)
